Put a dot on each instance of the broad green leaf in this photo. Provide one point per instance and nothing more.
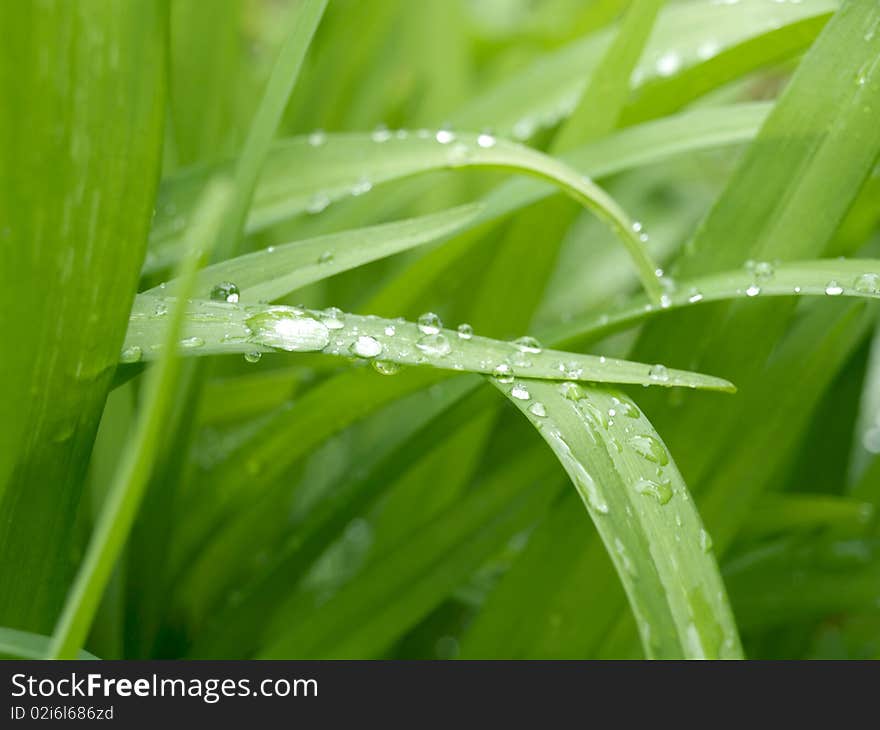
(130, 480)
(83, 86)
(220, 327)
(641, 508)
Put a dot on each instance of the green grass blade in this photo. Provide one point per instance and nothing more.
(827, 278)
(265, 123)
(83, 89)
(216, 328)
(269, 274)
(342, 163)
(599, 108)
(25, 645)
(130, 480)
(643, 513)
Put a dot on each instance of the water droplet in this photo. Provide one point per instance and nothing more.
(161, 309)
(333, 318)
(317, 138)
(571, 391)
(444, 136)
(503, 373)
(520, 392)
(225, 291)
(668, 63)
(625, 560)
(390, 330)
(867, 284)
(705, 541)
(572, 370)
(429, 324)
(528, 344)
(366, 346)
(658, 373)
(753, 290)
(459, 154)
(465, 331)
(386, 367)
(131, 354)
(191, 342)
(253, 357)
(283, 328)
(661, 491)
(650, 448)
(524, 128)
(486, 140)
(537, 409)
(763, 270)
(833, 289)
(436, 345)
(361, 187)
(326, 257)
(381, 134)
(317, 203)
(665, 301)
(695, 296)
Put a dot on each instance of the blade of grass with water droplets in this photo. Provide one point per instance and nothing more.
(272, 273)
(216, 328)
(643, 513)
(130, 480)
(341, 164)
(828, 278)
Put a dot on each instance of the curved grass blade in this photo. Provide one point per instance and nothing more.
(448, 150)
(215, 328)
(16, 644)
(643, 513)
(125, 493)
(265, 122)
(828, 278)
(272, 273)
(342, 164)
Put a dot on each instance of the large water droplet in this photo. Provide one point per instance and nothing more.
(435, 345)
(661, 491)
(867, 284)
(283, 328)
(366, 346)
(429, 324)
(571, 391)
(650, 448)
(465, 331)
(253, 357)
(520, 392)
(225, 291)
(486, 140)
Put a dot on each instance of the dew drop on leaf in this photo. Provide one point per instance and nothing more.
(429, 324)
(465, 331)
(366, 346)
(867, 284)
(253, 357)
(435, 344)
(661, 491)
(528, 344)
(386, 367)
(649, 448)
(131, 354)
(520, 392)
(225, 291)
(537, 409)
(503, 373)
(658, 373)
